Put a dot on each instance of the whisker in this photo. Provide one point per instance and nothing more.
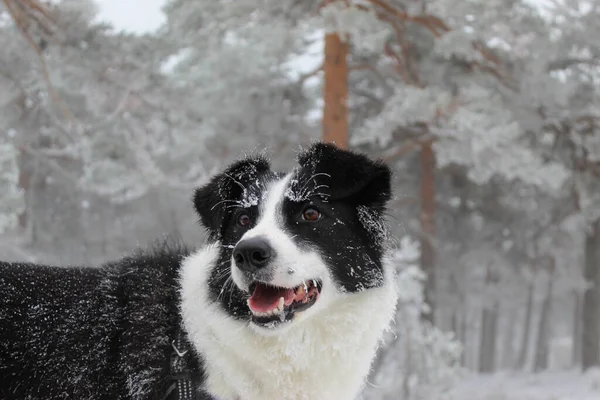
(236, 181)
(231, 291)
(313, 177)
(224, 272)
(223, 288)
(392, 216)
(237, 202)
(320, 186)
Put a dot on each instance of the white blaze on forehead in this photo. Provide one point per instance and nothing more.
(270, 219)
(292, 265)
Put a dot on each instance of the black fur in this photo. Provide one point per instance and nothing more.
(344, 175)
(351, 191)
(90, 333)
(215, 200)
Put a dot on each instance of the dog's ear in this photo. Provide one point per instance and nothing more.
(212, 200)
(345, 174)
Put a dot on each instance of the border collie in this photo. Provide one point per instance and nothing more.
(288, 300)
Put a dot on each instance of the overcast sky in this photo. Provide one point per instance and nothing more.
(140, 16)
(137, 16)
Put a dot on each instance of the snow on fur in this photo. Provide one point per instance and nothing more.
(329, 355)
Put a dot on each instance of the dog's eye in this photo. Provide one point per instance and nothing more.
(243, 219)
(311, 214)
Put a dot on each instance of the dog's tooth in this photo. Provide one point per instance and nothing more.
(301, 290)
(281, 303)
(305, 287)
(314, 283)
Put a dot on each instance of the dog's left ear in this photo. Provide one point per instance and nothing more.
(214, 200)
(348, 175)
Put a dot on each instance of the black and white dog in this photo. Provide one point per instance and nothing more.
(288, 300)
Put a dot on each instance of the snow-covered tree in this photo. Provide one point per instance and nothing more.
(231, 65)
(11, 196)
(420, 360)
(98, 128)
(494, 88)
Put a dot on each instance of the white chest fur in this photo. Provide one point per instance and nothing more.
(326, 356)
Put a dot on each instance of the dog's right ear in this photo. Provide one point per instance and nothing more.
(213, 200)
(343, 174)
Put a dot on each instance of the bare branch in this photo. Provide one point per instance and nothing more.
(21, 21)
(400, 151)
(49, 162)
(304, 77)
(433, 24)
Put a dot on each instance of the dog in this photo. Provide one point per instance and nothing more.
(288, 299)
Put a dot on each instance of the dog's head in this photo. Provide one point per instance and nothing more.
(291, 244)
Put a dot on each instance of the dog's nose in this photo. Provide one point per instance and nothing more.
(252, 254)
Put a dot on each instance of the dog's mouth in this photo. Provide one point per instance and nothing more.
(271, 305)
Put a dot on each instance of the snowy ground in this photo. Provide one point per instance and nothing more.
(545, 386)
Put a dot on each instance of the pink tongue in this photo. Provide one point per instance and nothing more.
(266, 298)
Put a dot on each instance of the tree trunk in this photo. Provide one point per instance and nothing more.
(489, 325)
(463, 339)
(408, 368)
(335, 90)
(577, 323)
(541, 346)
(508, 350)
(428, 256)
(24, 184)
(590, 354)
(526, 329)
(454, 322)
(487, 344)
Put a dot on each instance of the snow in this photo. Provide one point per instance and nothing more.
(309, 60)
(11, 195)
(302, 189)
(372, 222)
(564, 385)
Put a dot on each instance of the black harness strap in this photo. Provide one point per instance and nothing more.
(182, 387)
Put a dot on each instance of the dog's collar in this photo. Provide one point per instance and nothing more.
(182, 387)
